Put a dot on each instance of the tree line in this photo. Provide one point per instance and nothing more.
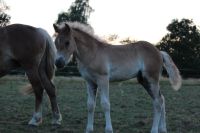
(183, 44)
(182, 41)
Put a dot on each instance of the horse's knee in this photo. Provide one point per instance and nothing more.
(105, 105)
(51, 92)
(90, 105)
(38, 93)
(158, 104)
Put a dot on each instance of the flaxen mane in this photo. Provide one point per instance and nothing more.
(83, 27)
(88, 29)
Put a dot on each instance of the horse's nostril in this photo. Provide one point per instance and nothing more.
(60, 63)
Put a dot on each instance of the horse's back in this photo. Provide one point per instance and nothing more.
(141, 50)
(21, 33)
(146, 50)
(129, 59)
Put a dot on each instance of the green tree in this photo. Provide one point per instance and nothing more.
(79, 11)
(183, 44)
(127, 40)
(4, 18)
(112, 37)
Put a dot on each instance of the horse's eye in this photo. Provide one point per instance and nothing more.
(66, 44)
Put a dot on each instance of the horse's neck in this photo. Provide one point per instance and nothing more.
(86, 47)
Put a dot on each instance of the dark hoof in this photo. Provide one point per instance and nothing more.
(32, 126)
(55, 127)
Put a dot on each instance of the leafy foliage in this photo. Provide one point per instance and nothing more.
(127, 40)
(79, 11)
(183, 44)
(4, 18)
(112, 37)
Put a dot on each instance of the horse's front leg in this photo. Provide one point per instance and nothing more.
(91, 103)
(103, 85)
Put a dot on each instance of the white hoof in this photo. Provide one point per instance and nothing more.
(89, 130)
(162, 130)
(57, 118)
(109, 130)
(154, 130)
(36, 119)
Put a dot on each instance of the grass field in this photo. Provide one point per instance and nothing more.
(131, 107)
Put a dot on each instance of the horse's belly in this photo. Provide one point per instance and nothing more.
(121, 74)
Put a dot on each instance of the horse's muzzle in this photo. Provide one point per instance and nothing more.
(60, 63)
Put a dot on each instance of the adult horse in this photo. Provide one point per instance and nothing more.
(32, 49)
(99, 63)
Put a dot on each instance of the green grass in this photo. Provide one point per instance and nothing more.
(131, 107)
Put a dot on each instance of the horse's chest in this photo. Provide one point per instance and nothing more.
(85, 73)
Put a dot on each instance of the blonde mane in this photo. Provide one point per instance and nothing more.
(88, 29)
(83, 27)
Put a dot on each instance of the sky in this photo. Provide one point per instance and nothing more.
(139, 19)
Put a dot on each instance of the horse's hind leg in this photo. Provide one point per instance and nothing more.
(51, 91)
(91, 102)
(159, 124)
(34, 79)
(162, 124)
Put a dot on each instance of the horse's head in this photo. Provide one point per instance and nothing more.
(65, 44)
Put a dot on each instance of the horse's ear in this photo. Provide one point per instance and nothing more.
(67, 28)
(56, 28)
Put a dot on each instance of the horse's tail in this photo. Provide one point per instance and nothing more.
(50, 57)
(173, 72)
(47, 61)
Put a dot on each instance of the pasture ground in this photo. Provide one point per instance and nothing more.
(131, 107)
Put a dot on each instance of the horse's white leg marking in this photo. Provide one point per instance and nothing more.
(162, 125)
(103, 85)
(57, 118)
(34, 78)
(36, 120)
(157, 115)
(157, 105)
(91, 103)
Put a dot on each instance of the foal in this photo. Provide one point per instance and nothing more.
(99, 63)
(33, 50)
